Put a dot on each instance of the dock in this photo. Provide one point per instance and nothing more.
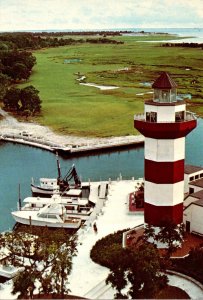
(74, 150)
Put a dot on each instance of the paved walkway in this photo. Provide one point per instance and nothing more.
(194, 291)
(114, 216)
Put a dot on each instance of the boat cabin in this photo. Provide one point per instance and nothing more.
(48, 183)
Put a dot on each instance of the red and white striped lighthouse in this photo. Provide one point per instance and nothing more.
(165, 125)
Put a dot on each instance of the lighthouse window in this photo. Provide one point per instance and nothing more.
(151, 116)
(179, 116)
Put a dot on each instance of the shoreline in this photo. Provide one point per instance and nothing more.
(32, 134)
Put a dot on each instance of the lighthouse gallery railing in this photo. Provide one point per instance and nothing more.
(189, 116)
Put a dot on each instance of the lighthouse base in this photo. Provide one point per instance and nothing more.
(164, 237)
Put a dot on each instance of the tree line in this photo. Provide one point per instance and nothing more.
(85, 33)
(33, 41)
(15, 67)
(186, 45)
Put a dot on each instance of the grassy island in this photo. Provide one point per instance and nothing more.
(69, 107)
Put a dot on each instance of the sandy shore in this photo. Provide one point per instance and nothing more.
(11, 126)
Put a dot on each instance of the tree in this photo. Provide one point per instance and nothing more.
(4, 83)
(11, 99)
(140, 270)
(20, 71)
(118, 259)
(171, 235)
(17, 64)
(30, 100)
(46, 258)
(149, 233)
(26, 100)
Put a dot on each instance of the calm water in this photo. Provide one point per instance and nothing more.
(195, 33)
(20, 163)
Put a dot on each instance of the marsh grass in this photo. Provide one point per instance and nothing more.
(70, 108)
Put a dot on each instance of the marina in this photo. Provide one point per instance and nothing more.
(38, 163)
(69, 210)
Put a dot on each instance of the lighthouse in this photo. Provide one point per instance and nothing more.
(165, 124)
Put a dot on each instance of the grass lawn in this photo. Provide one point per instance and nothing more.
(71, 108)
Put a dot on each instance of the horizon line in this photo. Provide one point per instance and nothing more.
(98, 29)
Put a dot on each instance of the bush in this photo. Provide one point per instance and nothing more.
(102, 250)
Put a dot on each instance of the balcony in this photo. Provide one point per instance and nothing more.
(165, 130)
(189, 116)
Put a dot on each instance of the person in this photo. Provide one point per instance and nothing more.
(95, 227)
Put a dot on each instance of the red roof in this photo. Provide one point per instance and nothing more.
(164, 81)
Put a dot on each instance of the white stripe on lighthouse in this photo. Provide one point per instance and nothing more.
(165, 150)
(164, 194)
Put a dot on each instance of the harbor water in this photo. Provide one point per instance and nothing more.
(19, 164)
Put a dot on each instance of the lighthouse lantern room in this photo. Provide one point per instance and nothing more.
(165, 125)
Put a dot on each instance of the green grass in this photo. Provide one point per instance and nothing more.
(70, 108)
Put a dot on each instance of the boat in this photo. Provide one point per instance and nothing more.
(47, 186)
(7, 270)
(57, 211)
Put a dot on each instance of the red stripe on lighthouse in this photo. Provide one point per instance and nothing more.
(164, 172)
(157, 215)
(164, 130)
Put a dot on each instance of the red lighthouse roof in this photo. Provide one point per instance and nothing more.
(164, 81)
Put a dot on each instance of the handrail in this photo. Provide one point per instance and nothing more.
(189, 117)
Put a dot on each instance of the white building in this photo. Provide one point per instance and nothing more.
(191, 173)
(193, 203)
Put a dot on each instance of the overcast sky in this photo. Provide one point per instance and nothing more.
(98, 14)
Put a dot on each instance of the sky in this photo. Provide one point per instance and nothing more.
(99, 14)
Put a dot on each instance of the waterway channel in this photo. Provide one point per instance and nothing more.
(18, 164)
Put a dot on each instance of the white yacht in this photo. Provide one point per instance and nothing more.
(57, 211)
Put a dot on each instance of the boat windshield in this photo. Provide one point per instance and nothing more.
(49, 216)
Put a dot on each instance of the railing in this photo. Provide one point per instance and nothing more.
(189, 116)
(140, 117)
(30, 208)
